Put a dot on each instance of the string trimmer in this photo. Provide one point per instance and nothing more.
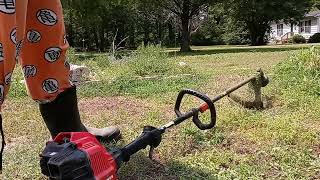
(80, 156)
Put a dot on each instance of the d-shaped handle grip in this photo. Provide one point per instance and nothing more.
(196, 118)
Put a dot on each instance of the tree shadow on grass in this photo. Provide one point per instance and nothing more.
(235, 50)
(141, 167)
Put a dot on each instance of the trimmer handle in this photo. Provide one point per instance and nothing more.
(150, 136)
(209, 105)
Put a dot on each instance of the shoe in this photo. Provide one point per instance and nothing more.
(62, 115)
(108, 134)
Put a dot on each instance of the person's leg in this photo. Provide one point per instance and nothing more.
(43, 64)
(43, 58)
(8, 41)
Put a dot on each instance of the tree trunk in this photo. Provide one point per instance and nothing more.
(102, 44)
(97, 39)
(185, 39)
(160, 31)
(70, 36)
(132, 36)
(146, 38)
(171, 34)
(257, 40)
(257, 34)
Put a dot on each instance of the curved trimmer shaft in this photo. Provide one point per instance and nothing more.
(258, 81)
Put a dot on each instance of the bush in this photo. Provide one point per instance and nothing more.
(301, 73)
(125, 85)
(298, 39)
(102, 61)
(235, 39)
(315, 38)
(71, 55)
(148, 71)
(202, 39)
(150, 60)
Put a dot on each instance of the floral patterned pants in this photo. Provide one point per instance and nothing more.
(32, 33)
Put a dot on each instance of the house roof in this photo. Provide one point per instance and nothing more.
(313, 14)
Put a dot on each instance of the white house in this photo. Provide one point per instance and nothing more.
(307, 27)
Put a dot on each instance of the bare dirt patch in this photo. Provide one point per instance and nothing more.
(14, 142)
(316, 151)
(240, 145)
(113, 105)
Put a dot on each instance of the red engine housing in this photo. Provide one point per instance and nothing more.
(102, 163)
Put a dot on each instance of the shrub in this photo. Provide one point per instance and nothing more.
(102, 60)
(150, 60)
(315, 38)
(235, 39)
(298, 39)
(301, 73)
(125, 85)
(71, 55)
(203, 39)
(147, 72)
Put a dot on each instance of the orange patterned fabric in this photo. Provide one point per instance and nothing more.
(32, 33)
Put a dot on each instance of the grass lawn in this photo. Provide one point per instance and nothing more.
(280, 142)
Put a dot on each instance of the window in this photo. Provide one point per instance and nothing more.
(308, 26)
(280, 29)
(305, 27)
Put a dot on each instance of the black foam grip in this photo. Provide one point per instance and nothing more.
(151, 136)
(195, 112)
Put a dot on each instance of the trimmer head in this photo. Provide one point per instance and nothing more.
(263, 78)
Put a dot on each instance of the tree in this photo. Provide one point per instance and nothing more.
(186, 10)
(97, 22)
(316, 4)
(257, 15)
(151, 21)
(220, 28)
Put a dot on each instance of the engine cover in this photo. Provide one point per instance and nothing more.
(78, 156)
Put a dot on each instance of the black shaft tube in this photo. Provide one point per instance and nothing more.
(178, 120)
(184, 117)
